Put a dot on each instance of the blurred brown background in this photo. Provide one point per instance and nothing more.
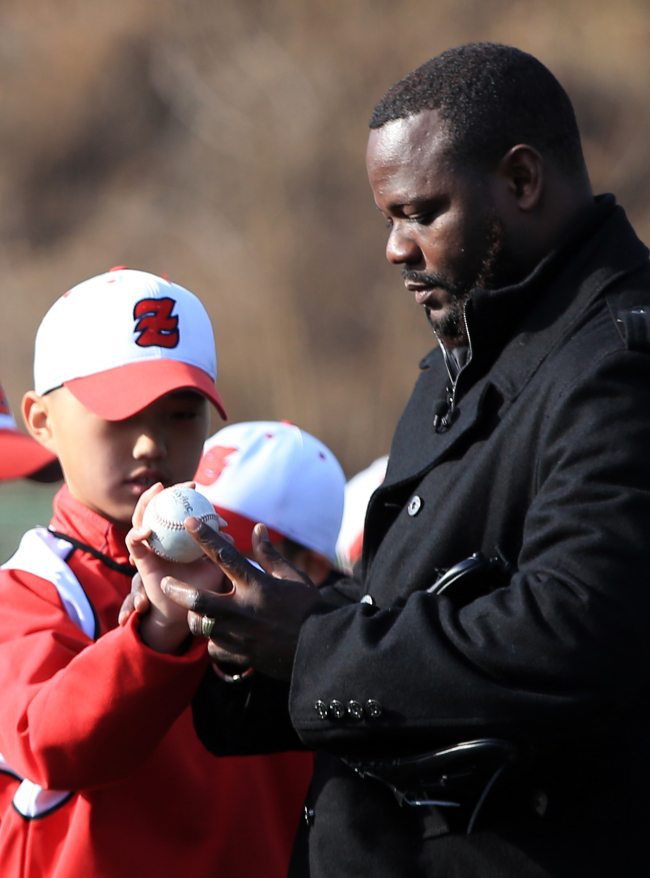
(222, 142)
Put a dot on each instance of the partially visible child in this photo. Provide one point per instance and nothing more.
(21, 457)
(276, 473)
(99, 755)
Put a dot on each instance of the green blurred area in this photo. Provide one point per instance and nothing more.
(23, 505)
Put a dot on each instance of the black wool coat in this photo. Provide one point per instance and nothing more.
(546, 460)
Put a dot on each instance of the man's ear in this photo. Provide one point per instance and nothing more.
(522, 171)
(37, 418)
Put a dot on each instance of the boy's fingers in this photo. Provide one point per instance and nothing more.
(135, 542)
(141, 505)
(128, 606)
(136, 600)
(142, 603)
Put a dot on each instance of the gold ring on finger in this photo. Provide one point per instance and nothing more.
(207, 625)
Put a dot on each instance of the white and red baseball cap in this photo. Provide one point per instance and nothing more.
(123, 339)
(20, 455)
(273, 472)
(358, 492)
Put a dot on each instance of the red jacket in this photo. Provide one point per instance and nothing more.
(107, 724)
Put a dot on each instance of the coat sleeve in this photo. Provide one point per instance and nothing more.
(252, 716)
(561, 651)
(77, 714)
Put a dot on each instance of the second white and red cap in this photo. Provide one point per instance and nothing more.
(123, 339)
(274, 472)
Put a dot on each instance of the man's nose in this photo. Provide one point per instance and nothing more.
(401, 247)
(149, 445)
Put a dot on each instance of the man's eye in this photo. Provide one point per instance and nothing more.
(422, 219)
(184, 416)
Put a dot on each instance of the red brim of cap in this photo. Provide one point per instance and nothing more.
(240, 529)
(21, 456)
(121, 392)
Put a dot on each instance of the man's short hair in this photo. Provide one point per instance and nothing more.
(491, 97)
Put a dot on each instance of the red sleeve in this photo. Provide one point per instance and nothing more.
(77, 714)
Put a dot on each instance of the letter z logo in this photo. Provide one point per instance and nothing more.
(155, 323)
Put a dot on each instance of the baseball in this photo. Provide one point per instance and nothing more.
(165, 515)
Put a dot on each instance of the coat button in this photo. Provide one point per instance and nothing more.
(355, 710)
(337, 709)
(367, 599)
(321, 709)
(374, 708)
(415, 504)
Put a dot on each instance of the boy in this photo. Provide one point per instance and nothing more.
(276, 473)
(99, 755)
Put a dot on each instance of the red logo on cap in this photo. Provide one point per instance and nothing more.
(213, 464)
(156, 324)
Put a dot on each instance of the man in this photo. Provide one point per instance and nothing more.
(526, 439)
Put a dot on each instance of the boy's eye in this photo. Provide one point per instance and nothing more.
(185, 415)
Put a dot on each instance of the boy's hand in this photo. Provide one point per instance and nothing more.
(165, 627)
(136, 601)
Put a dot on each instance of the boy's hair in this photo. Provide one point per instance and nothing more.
(491, 97)
(123, 339)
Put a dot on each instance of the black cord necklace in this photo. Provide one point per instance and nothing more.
(126, 569)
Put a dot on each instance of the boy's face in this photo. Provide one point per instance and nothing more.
(109, 464)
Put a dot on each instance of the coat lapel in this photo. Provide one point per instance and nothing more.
(612, 252)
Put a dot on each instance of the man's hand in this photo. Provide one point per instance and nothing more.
(257, 624)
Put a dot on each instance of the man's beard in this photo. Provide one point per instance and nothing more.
(491, 273)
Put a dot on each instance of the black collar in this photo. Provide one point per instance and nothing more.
(556, 297)
(494, 315)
